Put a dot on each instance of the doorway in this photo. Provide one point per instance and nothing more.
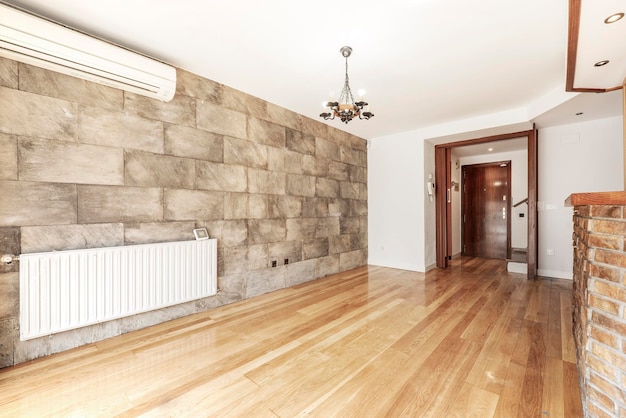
(443, 205)
(485, 210)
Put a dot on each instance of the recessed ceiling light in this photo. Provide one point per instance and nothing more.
(601, 63)
(613, 18)
(489, 149)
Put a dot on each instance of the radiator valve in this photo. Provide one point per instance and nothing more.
(8, 259)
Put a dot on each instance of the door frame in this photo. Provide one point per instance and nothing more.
(443, 166)
(508, 201)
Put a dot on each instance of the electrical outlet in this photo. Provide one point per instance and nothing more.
(286, 261)
(273, 263)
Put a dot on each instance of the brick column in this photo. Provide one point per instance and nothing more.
(600, 307)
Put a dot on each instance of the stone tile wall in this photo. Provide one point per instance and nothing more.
(600, 308)
(84, 165)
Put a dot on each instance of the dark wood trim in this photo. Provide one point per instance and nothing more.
(482, 140)
(448, 182)
(596, 198)
(572, 51)
(441, 235)
(533, 237)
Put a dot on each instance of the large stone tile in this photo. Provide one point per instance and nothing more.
(280, 159)
(236, 206)
(266, 182)
(339, 136)
(265, 281)
(9, 295)
(327, 149)
(10, 244)
(302, 142)
(351, 156)
(315, 166)
(314, 127)
(104, 204)
(284, 117)
(301, 272)
(181, 205)
(358, 207)
(229, 233)
(214, 118)
(8, 73)
(51, 83)
(358, 174)
(266, 133)
(349, 190)
(290, 250)
(235, 260)
(362, 191)
(258, 256)
(8, 157)
(338, 171)
(262, 231)
(327, 187)
(37, 239)
(257, 206)
(315, 248)
(119, 130)
(309, 207)
(8, 334)
(246, 153)
(181, 110)
(233, 286)
(327, 265)
(327, 227)
(301, 228)
(151, 232)
(281, 206)
(244, 103)
(352, 259)
(25, 203)
(339, 207)
(65, 162)
(193, 85)
(342, 244)
(298, 185)
(183, 141)
(154, 170)
(350, 225)
(358, 143)
(221, 177)
(38, 116)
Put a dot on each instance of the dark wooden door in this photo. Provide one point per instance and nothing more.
(485, 210)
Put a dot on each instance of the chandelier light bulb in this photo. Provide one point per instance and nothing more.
(361, 92)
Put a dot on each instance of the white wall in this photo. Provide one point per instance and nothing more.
(396, 199)
(581, 157)
(401, 218)
(519, 191)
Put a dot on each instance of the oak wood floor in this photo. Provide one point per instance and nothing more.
(470, 341)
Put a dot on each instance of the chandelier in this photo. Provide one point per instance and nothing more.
(346, 108)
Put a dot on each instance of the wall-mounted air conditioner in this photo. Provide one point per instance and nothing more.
(33, 40)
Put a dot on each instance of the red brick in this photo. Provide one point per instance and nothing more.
(603, 369)
(606, 272)
(610, 257)
(613, 358)
(604, 337)
(606, 211)
(609, 323)
(600, 398)
(608, 289)
(616, 227)
(609, 242)
(596, 412)
(582, 210)
(612, 389)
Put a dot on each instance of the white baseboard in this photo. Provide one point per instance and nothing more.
(555, 274)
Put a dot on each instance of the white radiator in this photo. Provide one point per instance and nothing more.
(63, 290)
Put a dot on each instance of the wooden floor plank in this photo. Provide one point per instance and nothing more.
(471, 340)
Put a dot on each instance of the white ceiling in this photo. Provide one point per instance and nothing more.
(421, 62)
